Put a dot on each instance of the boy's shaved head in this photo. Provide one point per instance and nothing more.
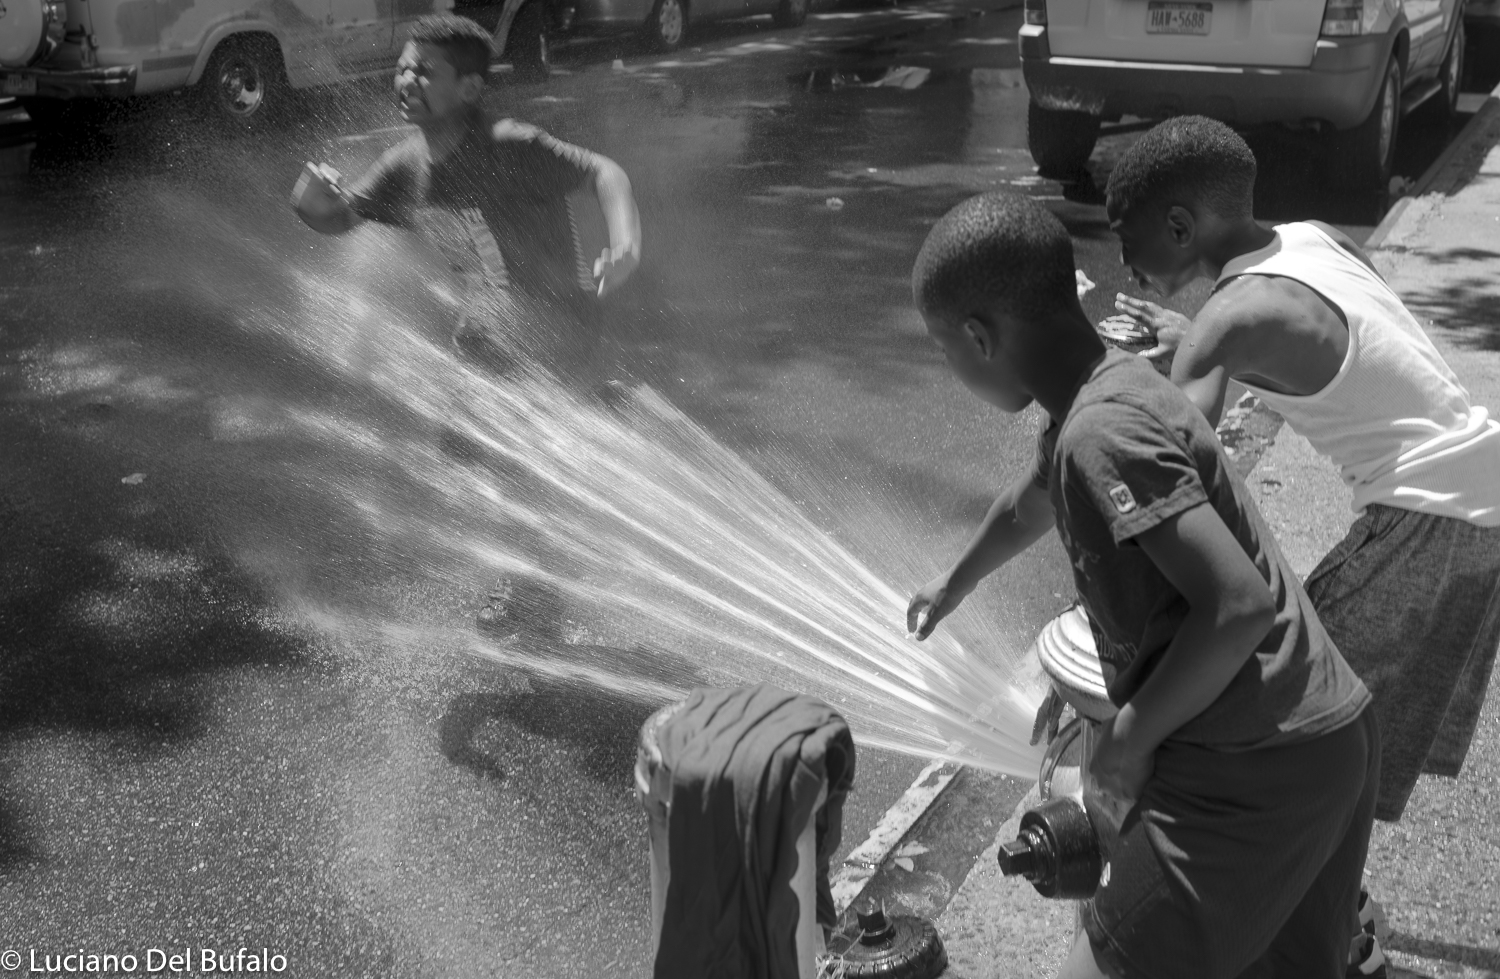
(1187, 160)
(467, 46)
(996, 248)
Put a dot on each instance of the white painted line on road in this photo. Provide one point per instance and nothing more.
(865, 860)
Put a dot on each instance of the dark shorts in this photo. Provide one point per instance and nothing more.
(1242, 864)
(1412, 600)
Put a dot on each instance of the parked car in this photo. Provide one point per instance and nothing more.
(1348, 68)
(241, 55)
(524, 28)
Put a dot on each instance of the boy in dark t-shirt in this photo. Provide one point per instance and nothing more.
(1235, 786)
(492, 195)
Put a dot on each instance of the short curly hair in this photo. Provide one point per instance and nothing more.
(997, 248)
(468, 47)
(1186, 160)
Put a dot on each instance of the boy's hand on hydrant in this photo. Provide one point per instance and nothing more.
(1166, 325)
(1048, 716)
(1117, 773)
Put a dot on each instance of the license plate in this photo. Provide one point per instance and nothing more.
(1179, 18)
(18, 85)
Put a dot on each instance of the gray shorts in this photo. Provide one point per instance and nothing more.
(1412, 600)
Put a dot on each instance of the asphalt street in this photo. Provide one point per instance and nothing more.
(233, 712)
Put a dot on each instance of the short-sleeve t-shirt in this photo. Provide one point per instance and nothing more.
(497, 206)
(1133, 452)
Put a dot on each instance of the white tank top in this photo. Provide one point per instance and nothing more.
(1395, 419)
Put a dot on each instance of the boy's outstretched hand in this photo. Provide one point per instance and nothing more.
(932, 603)
(614, 266)
(1166, 325)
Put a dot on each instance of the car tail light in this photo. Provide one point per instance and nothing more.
(1036, 12)
(1343, 18)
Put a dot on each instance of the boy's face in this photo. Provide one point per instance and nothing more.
(976, 350)
(1158, 245)
(429, 88)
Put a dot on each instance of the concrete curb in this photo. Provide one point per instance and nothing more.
(1450, 171)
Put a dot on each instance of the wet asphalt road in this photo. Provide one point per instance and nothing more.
(197, 749)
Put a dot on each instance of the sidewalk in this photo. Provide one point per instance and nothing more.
(1437, 871)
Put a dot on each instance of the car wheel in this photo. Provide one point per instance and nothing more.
(1061, 142)
(244, 86)
(529, 54)
(791, 13)
(667, 25)
(1451, 75)
(1362, 157)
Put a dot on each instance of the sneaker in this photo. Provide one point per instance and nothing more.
(1366, 961)
(1372, 919)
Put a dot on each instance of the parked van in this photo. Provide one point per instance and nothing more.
(1349, 68)
(243, 55)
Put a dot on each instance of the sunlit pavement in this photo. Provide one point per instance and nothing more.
(229, 716)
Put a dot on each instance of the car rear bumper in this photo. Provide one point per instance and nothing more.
(1338, 88)
(77, 83)
(596, 15)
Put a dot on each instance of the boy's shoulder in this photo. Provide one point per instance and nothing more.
(1127, 403)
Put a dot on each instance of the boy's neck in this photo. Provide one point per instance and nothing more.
(1068, 365)
(444, 135)
(1230, 241)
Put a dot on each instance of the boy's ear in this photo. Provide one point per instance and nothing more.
(471, 87)
(1181, 225)
(981, 335)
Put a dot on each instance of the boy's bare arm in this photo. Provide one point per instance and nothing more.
(1230, 611)
(1017, 519)
(623, 219)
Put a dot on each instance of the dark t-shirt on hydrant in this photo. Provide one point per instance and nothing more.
(1132, 453)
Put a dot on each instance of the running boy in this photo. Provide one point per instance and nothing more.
(1300, 317)
(1242, 749)
(492, 194)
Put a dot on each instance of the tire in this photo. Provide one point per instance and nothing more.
(50, 113)
(791, 13)
(529, 52)
(1060, 142)
(1451, 75)
(667, 25)
(244, 87)
(1362, 157)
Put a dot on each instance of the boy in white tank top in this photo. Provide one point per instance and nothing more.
(1300, 316)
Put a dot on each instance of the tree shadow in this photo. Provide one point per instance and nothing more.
(1466, 308)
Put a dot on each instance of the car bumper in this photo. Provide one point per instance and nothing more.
(1337, 89)
(1482, 13)
(78, 83)
(593, 15)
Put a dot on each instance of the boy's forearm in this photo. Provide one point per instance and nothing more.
(1017, 519)
(1210, 648)
(617, 202)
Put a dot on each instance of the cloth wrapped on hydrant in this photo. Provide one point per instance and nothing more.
(747, 766)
